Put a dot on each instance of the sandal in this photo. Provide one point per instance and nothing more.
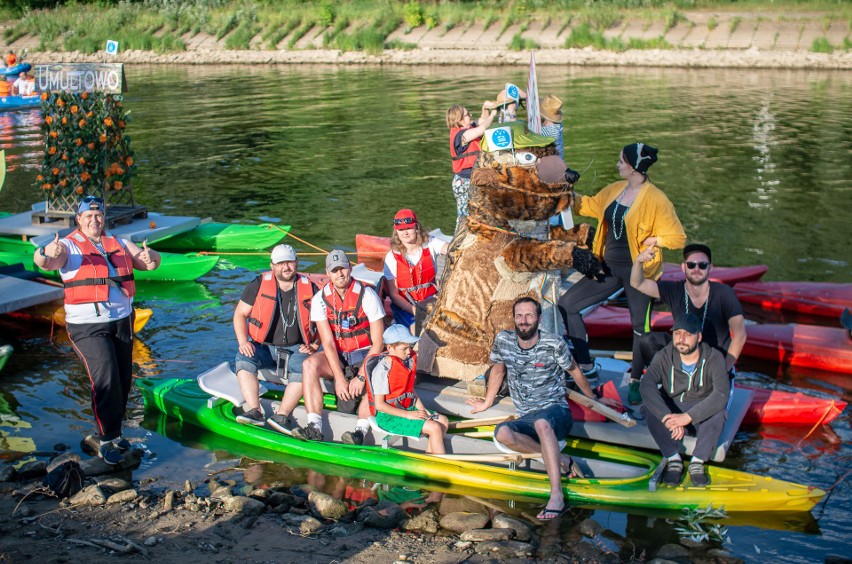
(573, 469)
(547, 514)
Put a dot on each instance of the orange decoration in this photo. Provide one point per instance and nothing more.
(84, 95)
(118, 185)
(79, 189)
(102, 138)
(54, 134)
(152, 225)
(64, 156)
(91, 145)
(74, 109)
(48, 120)
(108, 122)
(51, 151)
(60, 102)
(90, 114)
(82, 123)
(46, 186)
(121, 124)
(78, 142)
(63, 183)
(44, 95)
(85, 176)
(39, 178)
(81, 160)
(129, 161)
(55, 171)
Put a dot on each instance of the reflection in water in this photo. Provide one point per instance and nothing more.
(763, 138)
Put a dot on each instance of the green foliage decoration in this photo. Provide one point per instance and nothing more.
(85, 148)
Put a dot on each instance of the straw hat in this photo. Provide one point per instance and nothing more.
(551, 108)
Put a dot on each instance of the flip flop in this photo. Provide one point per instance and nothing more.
(574, 470)
(551, 514)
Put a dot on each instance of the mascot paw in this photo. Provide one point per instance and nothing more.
(590, 238)
(585, 263)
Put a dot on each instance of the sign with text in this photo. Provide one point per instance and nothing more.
(499, 139)
(81, 77)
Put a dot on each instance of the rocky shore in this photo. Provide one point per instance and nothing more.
(230, 517)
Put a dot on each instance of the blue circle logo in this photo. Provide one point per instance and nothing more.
(512, 92)
(112, 47)
(501, 139)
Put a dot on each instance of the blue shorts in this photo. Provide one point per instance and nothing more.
(266, 356)
(401, 316)
(558, 416)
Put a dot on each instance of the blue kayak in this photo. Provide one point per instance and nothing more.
(15, 70)
(8, 103)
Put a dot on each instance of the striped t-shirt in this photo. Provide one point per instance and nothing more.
(536, 376)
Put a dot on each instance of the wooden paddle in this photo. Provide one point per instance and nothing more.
(608, 412)
(517, 457)
(618, 355)
(468, 423)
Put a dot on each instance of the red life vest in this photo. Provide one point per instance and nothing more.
(400, 381)
(468, 158)
(349, 323)
(260, 319)
(91, 282)
(415, 283)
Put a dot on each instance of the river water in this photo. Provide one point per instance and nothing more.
(756, 163)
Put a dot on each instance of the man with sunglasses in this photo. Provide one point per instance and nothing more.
(714, 304)
(97, 271)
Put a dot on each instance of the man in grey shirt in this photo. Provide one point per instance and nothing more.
(536, 363)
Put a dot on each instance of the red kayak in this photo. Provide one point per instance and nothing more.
(809, 346)
(810, 298)
(774, 407)
(372, 249)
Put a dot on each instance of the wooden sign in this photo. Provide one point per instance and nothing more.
(81, 77)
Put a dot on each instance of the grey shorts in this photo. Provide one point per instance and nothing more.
(558, 416)
(266, 356)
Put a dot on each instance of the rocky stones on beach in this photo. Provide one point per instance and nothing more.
(384, 515)
(426, 522)
(32, 469)
(90, 495)
(326, 506)
(461, 521)
(523, 530)
(482, 535)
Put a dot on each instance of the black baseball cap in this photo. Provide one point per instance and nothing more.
(689, 323)
(697, 248)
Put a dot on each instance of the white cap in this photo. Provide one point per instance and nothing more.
(398, 334)
(283, 252)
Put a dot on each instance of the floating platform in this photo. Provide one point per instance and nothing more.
(16, 293)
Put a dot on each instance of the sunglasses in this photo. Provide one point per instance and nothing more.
(702, 265)
(405, 221)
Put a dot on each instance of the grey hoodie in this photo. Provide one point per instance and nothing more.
(709, 385)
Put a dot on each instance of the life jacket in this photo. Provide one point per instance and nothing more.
(468, 158)
(260, 319)
(400, 381)
(349, 323)
(415, 283)
(11, 59)
(91, 282)
(5, 87)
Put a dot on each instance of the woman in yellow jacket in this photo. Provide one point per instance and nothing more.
(632, 214)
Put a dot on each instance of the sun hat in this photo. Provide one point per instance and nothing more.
(689, 323)
(336, 259)
(551, 108)
(697, 248)
(398, 334)
(282, 253)
(404, 219)
(640, 156)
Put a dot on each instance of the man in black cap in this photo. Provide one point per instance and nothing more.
(715, 304)
(686, 388)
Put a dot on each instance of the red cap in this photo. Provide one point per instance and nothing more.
(404, 219)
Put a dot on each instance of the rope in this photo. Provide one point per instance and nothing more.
(828, 410)
(290, 233)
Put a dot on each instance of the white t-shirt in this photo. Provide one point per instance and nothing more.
(433, 244)
(373, 306)
(118, 306)
(29, 89)
(20, 86)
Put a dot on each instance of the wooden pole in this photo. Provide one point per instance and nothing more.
(516, 457)
(618, 355)
(608, 412)
(468, 423)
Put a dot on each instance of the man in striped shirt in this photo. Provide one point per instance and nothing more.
(535, 362)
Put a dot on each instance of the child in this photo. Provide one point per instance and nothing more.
(465, 135)
(390, 392)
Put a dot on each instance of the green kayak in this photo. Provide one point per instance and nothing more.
(225, 237)
(614, 475)
(174, 267)
(5, 353)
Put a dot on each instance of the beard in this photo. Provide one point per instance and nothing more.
(527, 332)
(286, 276)
(699, 279)
(685, 349)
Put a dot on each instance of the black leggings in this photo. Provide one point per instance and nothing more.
(588, 292)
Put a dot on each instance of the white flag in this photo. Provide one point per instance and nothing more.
(533, 115)
(112, 47)
(499, 139)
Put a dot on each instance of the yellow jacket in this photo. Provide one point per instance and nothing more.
(650, 215)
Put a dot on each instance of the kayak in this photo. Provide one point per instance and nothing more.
(172, 267)
(614, 475)
(776, 407)
(5, 353)
(373, 248)
(808, 346)
(51, 313)
(15, 70)
(810, 298)
(225, 237)
(9, 103)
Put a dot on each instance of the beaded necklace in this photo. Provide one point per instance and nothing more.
(686, 304)
(292, 313)
(615, 232)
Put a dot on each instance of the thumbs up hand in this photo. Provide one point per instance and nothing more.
(54, 248)
(145, 255)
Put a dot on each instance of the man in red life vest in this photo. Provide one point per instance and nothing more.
(97, 271)
(273, 328)
(350, 321)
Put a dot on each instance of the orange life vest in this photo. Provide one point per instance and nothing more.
(91, 282)
(260, 319)
(400, 381)
(5, 87)
(468, 158)
(349, 323)
(11, 59)
(415, 283)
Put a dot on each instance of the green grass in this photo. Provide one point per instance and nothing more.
(712, 23)
(821, 45)
(584, 36)
(735, 23)
(655, 43)
(519, 43)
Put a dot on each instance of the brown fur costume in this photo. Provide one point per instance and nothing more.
(489, 265)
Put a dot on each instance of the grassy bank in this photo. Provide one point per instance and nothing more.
(165, 26)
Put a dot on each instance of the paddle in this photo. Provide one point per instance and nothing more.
(618, 355)
(608, 412)
(481, 422)
(516, 457)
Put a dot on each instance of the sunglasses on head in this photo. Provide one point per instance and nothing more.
(692, 264)
(405, 221)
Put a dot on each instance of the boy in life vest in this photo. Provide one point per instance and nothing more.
(391, 395)
(350, 319)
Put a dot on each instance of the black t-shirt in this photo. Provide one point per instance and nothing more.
(616, 251)
(281, 336)
(721, 306)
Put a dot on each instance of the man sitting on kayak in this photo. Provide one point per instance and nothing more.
(715, 304)
(350, 321)
(536, 363)
(273, 328)
(686, 386)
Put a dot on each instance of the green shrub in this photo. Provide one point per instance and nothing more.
(325, 15)
(400, 45)
(520, 43)
(413, 15)
(821, 45)
(712, 23)
(655, 43)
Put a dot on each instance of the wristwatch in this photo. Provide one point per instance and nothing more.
(41, 252)
(361, 378)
